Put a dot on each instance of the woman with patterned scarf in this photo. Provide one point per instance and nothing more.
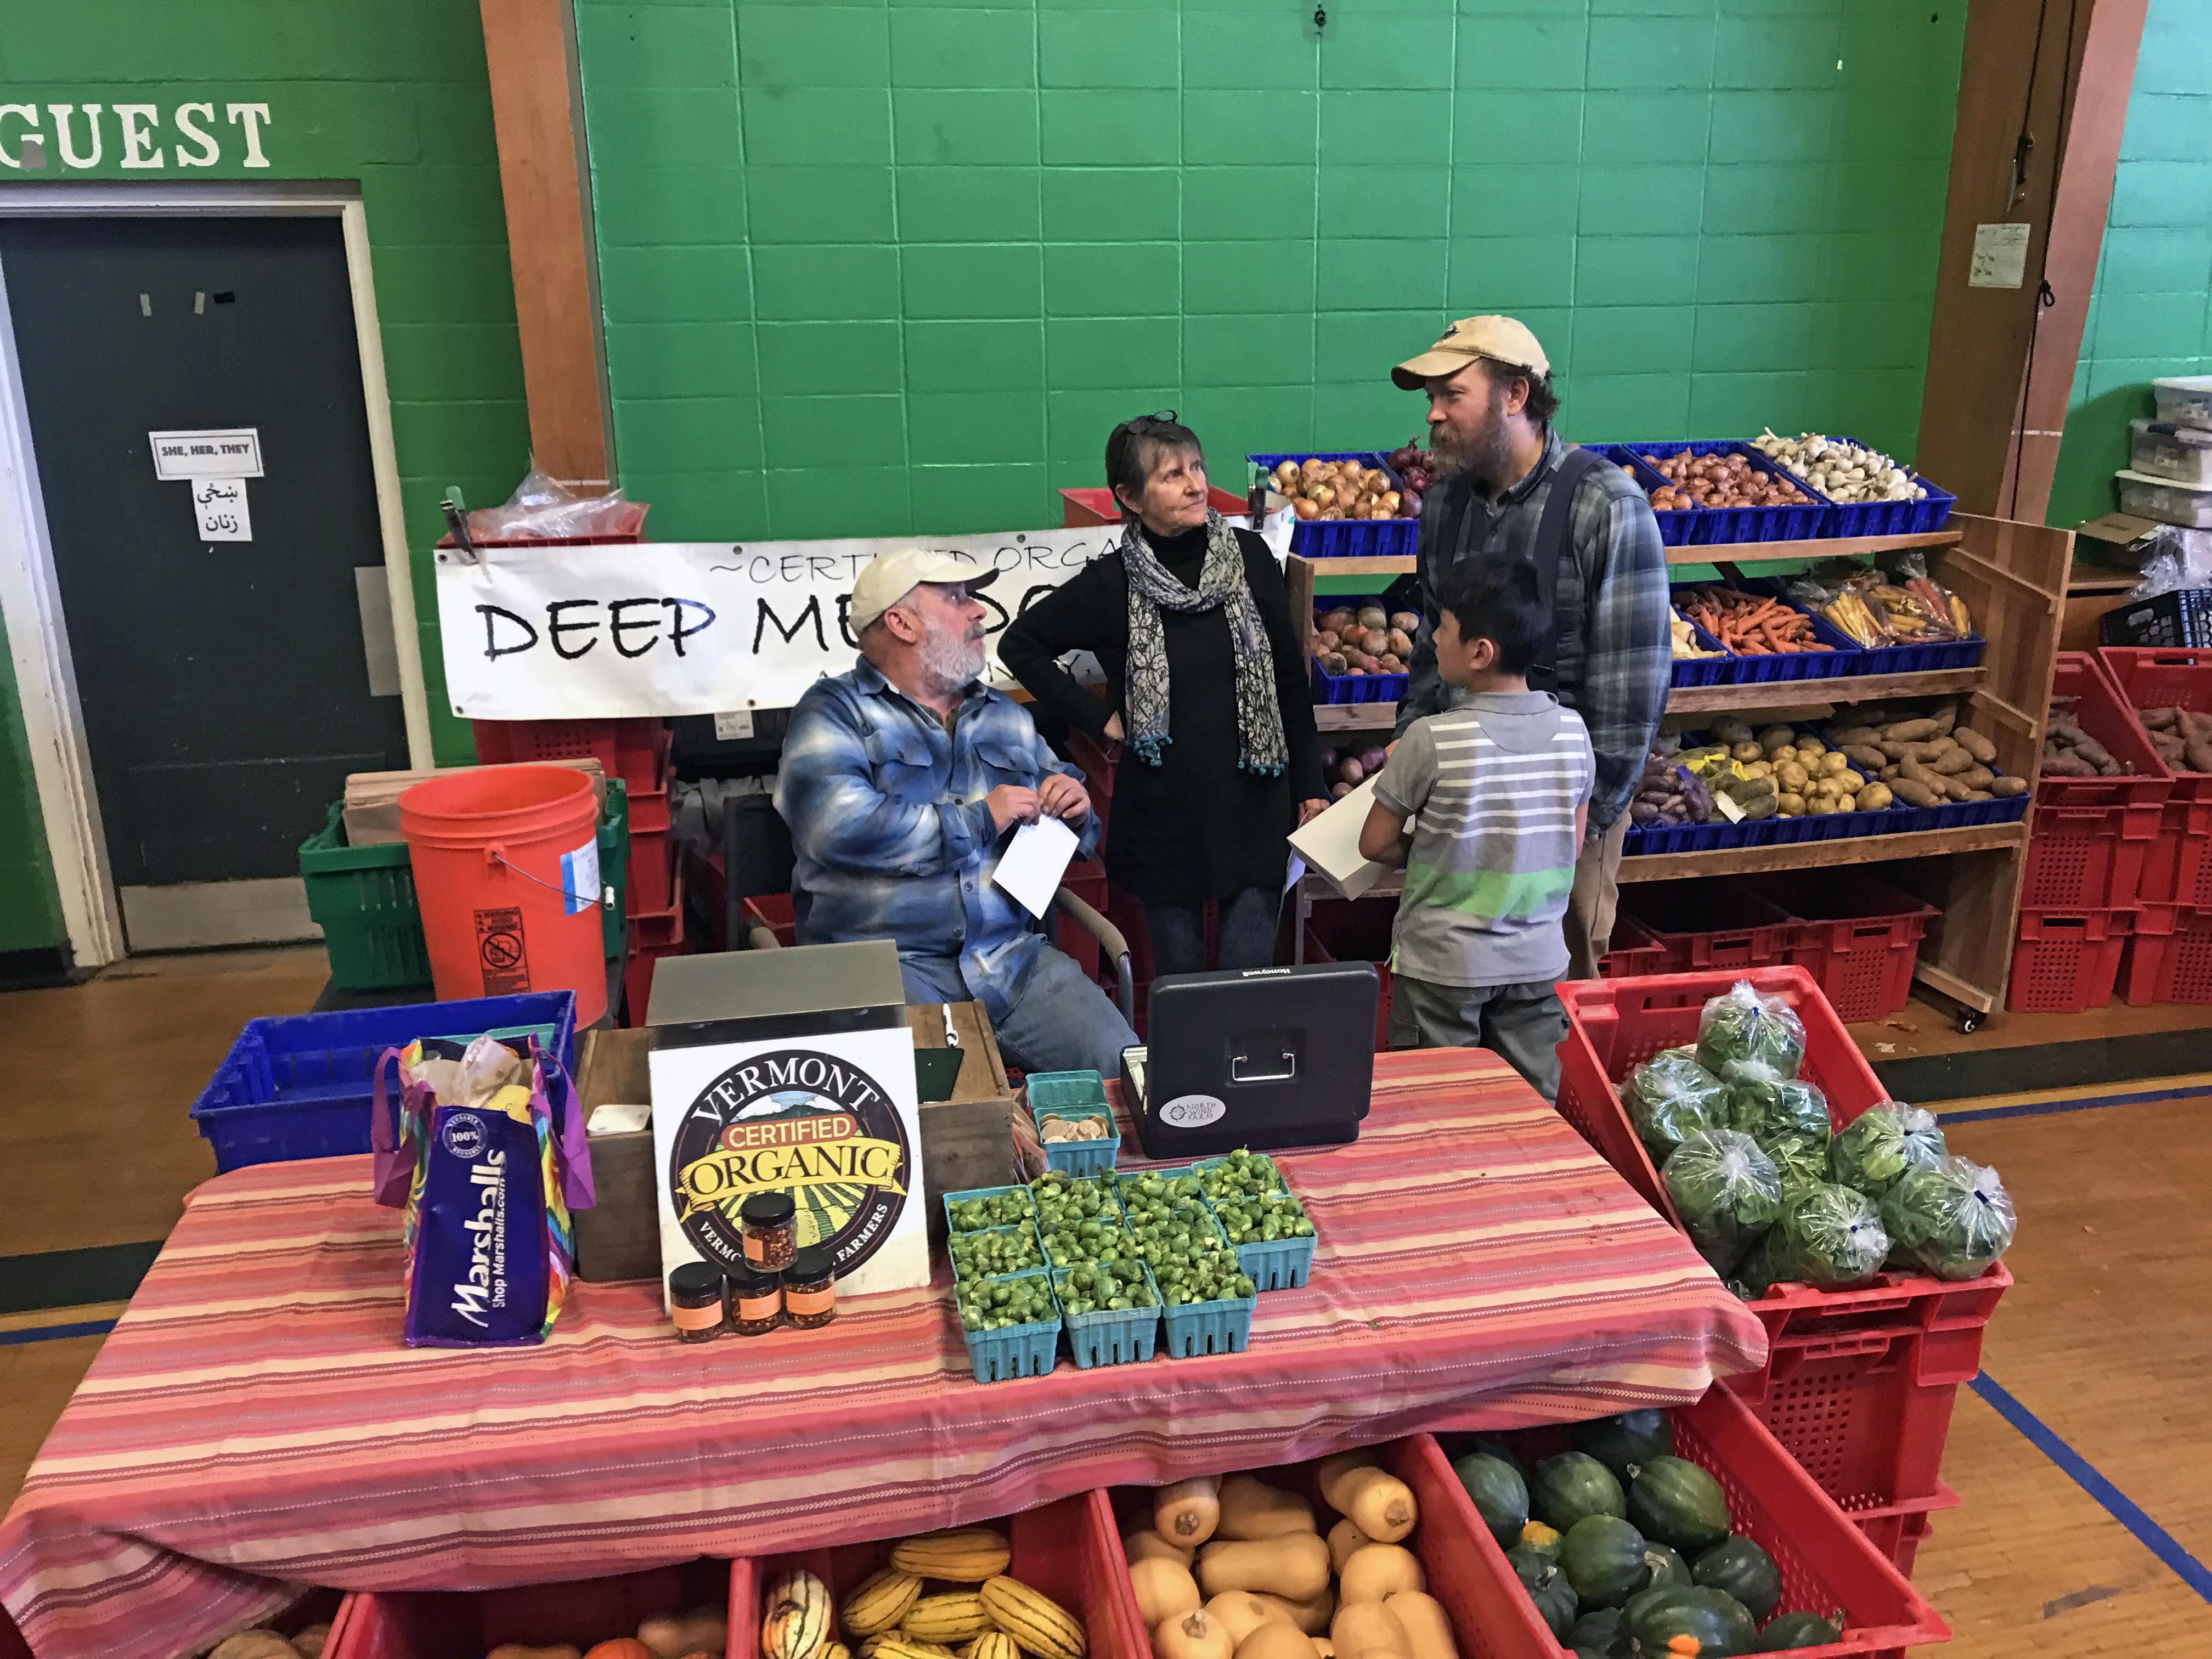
(1207, 693)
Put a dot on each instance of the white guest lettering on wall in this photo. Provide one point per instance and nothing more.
(136, 138)
(696, 628)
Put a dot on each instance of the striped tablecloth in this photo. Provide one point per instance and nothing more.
(255, 1422)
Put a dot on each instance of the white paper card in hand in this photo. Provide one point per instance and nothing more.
(1331, 843)
(1030, 867)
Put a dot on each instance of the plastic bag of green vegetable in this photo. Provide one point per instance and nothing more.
(1741, 1024)
(1727, 1192)
(1952, 1220)
(1799, 1161)
(1874, 1151)
(1765, 1104)
(1671, 1095)
(1828, 1236)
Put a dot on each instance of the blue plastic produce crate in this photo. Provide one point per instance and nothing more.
(1842, 657)
(1700, 526)
(1074, 1095)
(1018, 1351)
(1109, 1337)
(300, 1085)
(1337, 689)
(949, 1199)
(1889, 517)
(1346, 538)
(1705, 671)
(1204, 1327)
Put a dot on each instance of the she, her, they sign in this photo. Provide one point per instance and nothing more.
(696, 628)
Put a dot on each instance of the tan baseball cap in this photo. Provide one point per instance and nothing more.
(1501, 339)
(890, 577)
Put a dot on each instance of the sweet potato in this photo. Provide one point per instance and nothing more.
(2196, 757)
(2160, 719)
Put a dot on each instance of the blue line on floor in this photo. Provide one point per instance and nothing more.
(55, 1333)
(2045, 1108)
(2117, 1504)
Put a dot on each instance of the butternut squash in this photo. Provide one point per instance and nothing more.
(1381, 1504)
(1428, 1627)
(1379, 1572)
(1275, 1642)
(1294, 1567)
(1149, 1546)
(1311, 1616)
(1323, 1647)
(1188, 1512)
(1344, 1538)
(1368, 1627)
(1241, 1613)
(1193, 1636)
(1165, 1589)
(673, 1637)
(1251, 1509)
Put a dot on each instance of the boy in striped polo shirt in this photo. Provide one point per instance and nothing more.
(1498, 788)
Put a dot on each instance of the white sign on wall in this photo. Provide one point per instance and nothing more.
(696, 628)
(214, 453)
(220, 505)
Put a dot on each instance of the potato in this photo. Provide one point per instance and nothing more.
(1974, 744)
(1911, 731)
(1823, 805)
(1831, 764)
(1774, 737)
(1866, 758)
(1759, 769)
(1808, 746)
(1951, 762)
(1915, 794)
(1791, 777)
(1747, 751)
(1787, 752)
(1844, 738)
(1789, 805)
(1978, 777)
(2005, 788)
(1873, 797)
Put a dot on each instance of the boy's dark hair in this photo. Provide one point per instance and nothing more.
(1496, 600)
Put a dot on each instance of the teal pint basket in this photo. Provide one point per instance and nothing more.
(949, 1199)
(1109, 1338)
(1074, 1095)
(1277, 1264)
(1029, 1350)
(1204, 1327)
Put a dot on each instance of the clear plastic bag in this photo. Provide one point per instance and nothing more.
(541, 510)
(1669, 1097)
(1766, 1105)
(1828, 1236)
(1800, 1162)
(1952, 1220)
(2178, 560)
(1873, 1152)
(1741, 1025)
(1727, 1192)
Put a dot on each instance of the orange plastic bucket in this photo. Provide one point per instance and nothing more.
(506, 869)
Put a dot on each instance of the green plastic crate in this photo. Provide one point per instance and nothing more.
(363, 899)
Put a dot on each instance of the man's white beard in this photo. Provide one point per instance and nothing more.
(950, 661)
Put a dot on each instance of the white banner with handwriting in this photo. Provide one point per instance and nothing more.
(697, 628)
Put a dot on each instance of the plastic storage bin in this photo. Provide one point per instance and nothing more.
(2181, 454)
(2087, 858)
(1826, 1562)
(1345, 539)
(2180, 618)
(2178, 864)
(1079, 509)
(2164, 679)
(2105, 716)
(653, 934)
(1857, 936)
(1632, 951)
(2066, 961)
(1072, 1095)
(1712, 923)
(2163, 499)
(2169, 956)
(1109, 1337)
(300, 1085)
(1702, 526)
(2185, 399)
(459, 1625)
(633, 751)
(1914, 517)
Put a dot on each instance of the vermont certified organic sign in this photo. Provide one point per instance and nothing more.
(828, 1118)
(697, 628)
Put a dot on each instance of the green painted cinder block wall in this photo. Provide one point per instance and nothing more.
(2152, 313)
(869, 269)
(393, 96)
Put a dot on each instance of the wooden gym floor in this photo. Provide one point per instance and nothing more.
(2083, 1454)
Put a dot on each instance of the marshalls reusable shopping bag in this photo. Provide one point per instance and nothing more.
(488, 1156)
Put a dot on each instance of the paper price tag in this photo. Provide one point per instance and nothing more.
(733, 726)
(1729, 809)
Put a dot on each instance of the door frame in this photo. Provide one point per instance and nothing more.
(30, 591)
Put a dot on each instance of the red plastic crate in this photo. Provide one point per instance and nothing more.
(630, 531)
(1357, 930)
(2087, 858)
(1714, 923)
(1081, 508)
(1825, 1561)
(1067, 1550)
(2166, 679)
(1632, 952)
(653, 934)
(1856, 934)
(1900, 1529)
(2177, 866)
(1855, 1411)
(774, 912)
(468, 1623)
(634, 751)
(2107, 717)
(2169, 956)
(2066, 961)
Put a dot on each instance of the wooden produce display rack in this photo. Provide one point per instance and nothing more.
(2013, 578)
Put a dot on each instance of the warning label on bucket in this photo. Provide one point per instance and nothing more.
(499, 951)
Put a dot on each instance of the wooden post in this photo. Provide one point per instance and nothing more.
(538, 113)
(2068, 89)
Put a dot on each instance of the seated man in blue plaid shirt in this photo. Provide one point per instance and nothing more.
(899, 781)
